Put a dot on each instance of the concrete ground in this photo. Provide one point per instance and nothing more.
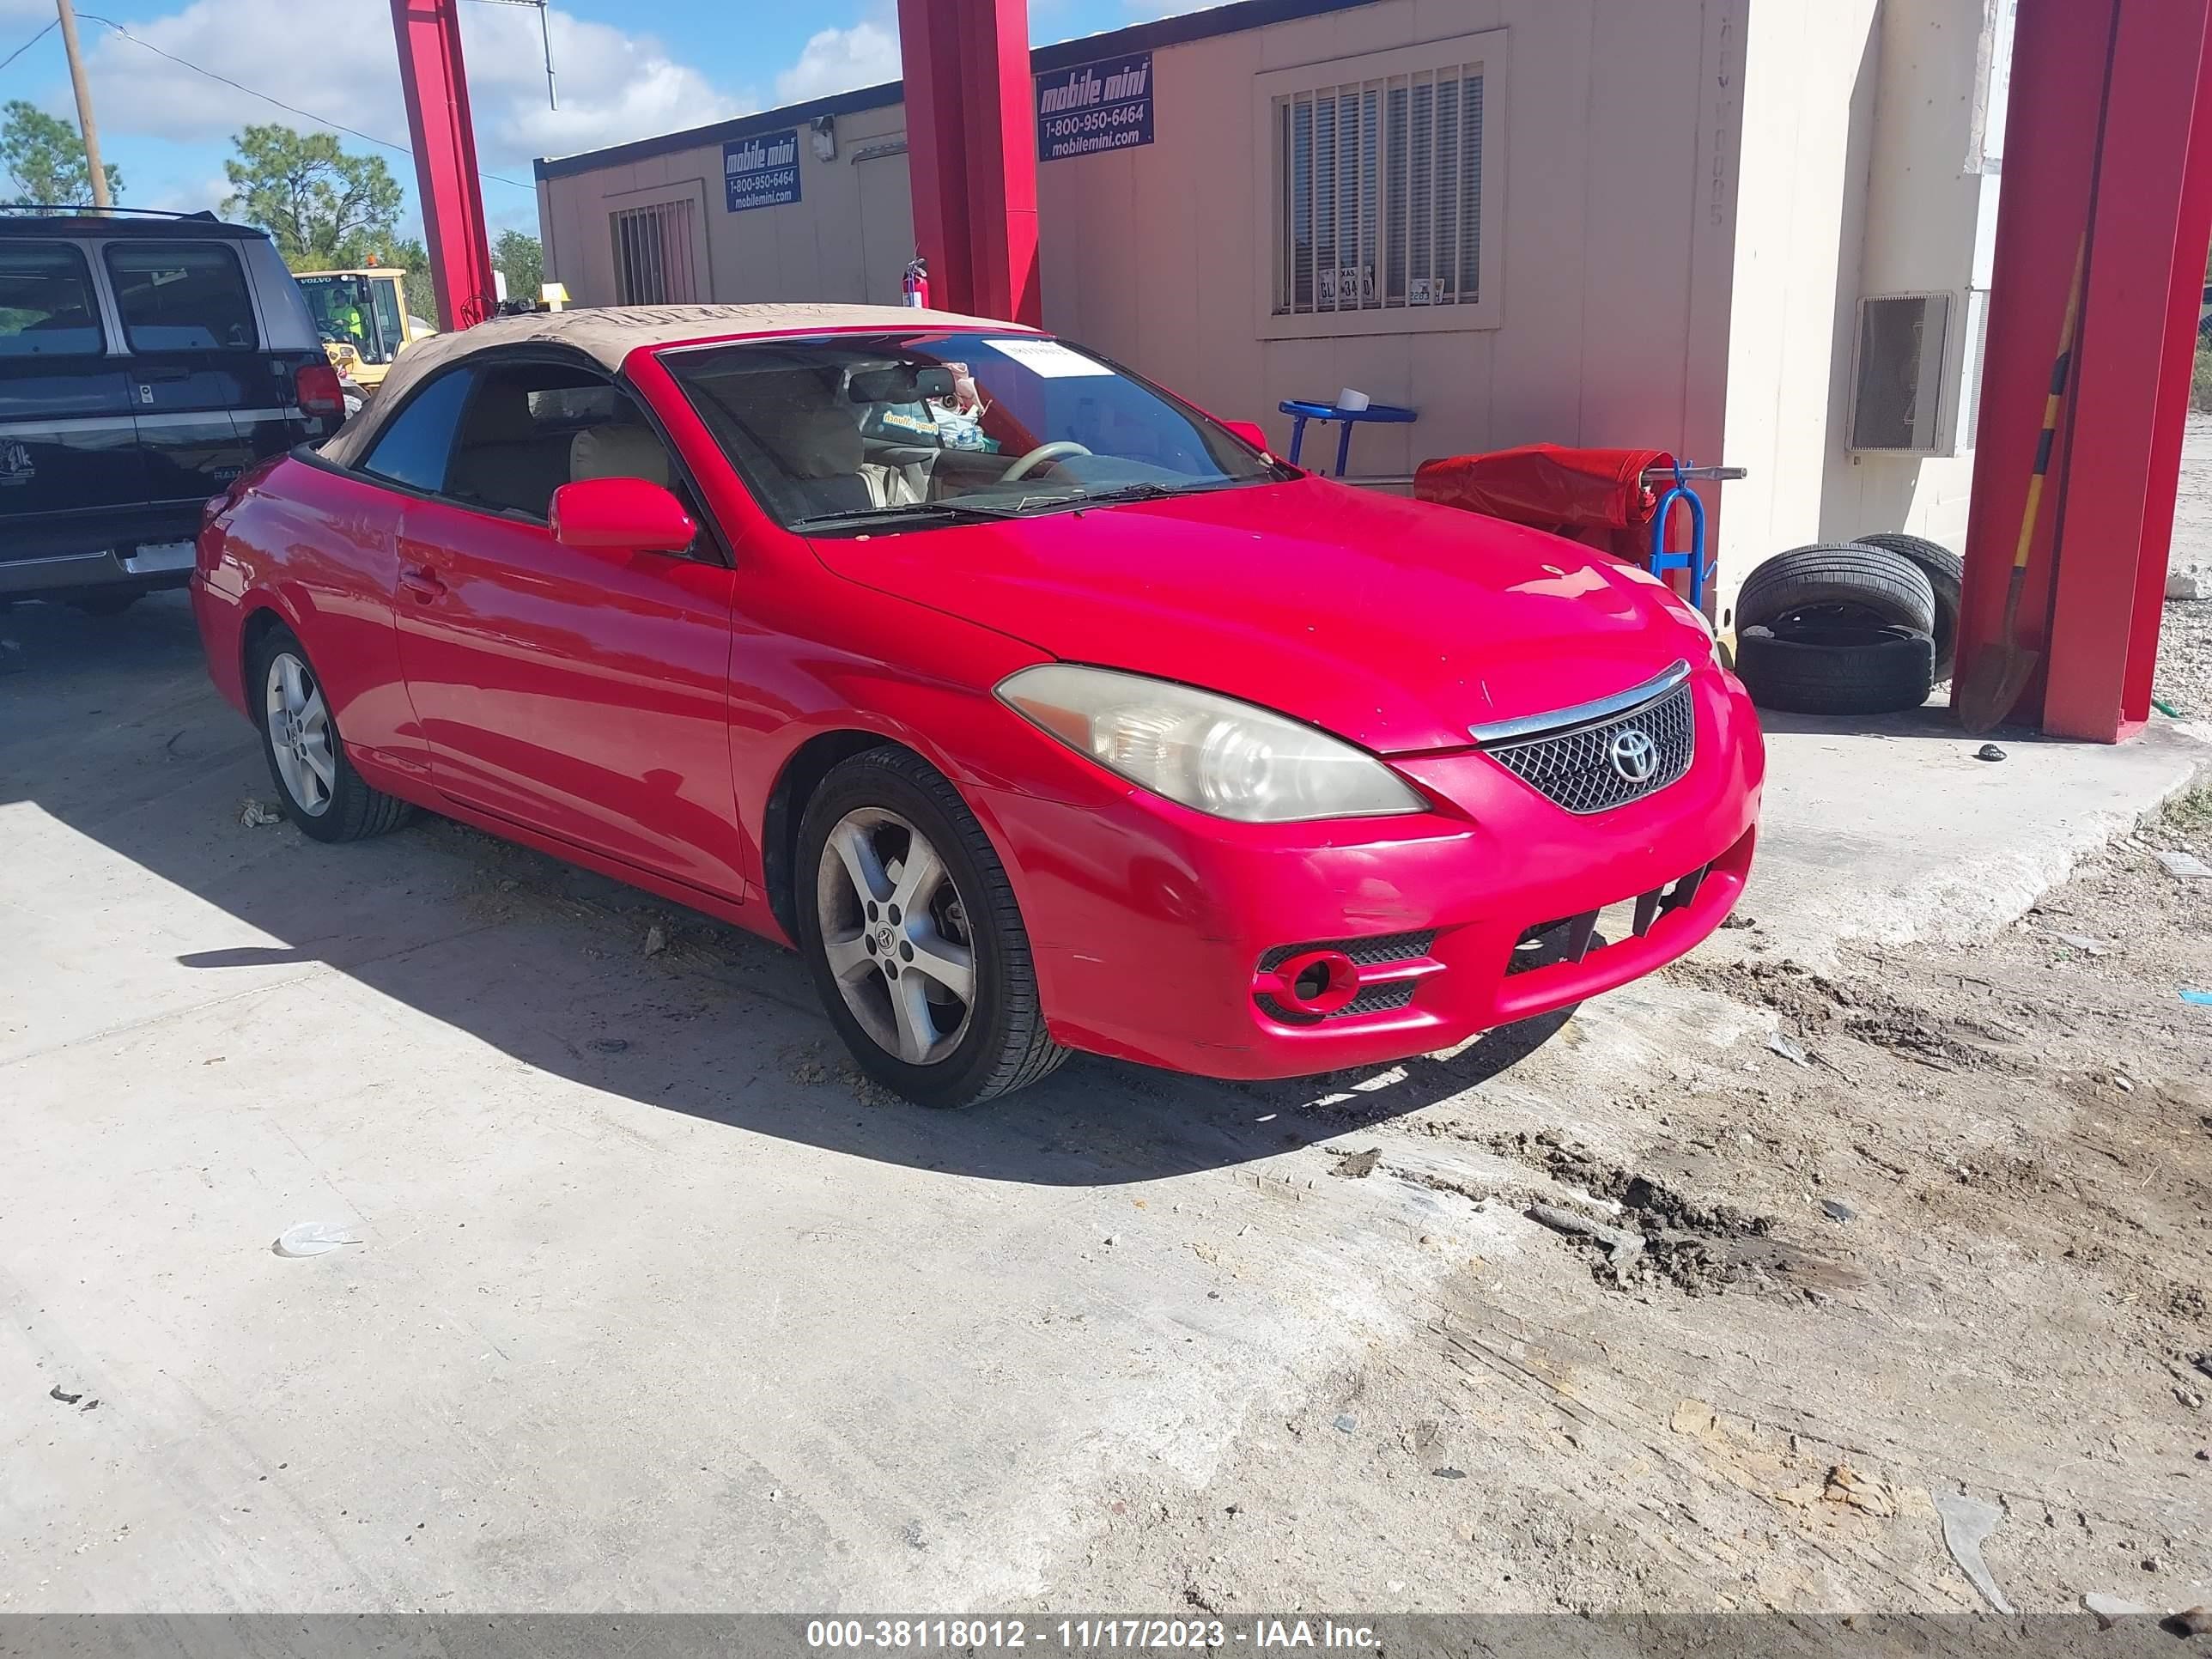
(655, 1306)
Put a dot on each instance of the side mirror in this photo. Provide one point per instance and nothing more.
(1250, 433)
(620, 515)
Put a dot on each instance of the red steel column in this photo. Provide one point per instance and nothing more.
(2174, 395)
(2056, 109)
(2110, 129)
(1001, 159)
(936, 145)
(971, 153)
(435, 85)
(2124, 456)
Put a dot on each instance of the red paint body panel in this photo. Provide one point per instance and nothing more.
(317, 548)
(1391, 622)
(636, 712)
(580, 691)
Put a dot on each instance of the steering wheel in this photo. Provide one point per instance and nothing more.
(1058, 450)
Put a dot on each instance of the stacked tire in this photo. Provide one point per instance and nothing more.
(1867, 627)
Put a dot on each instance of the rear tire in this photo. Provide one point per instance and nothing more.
(1850, 582)
(1947, 574)
(1837, 669)
(335, 807)
(1001, 1042)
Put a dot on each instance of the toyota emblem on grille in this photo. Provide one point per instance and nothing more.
(1633, 755)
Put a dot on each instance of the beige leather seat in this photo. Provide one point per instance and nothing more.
(503, 459)
(819, 447)
(618, 452)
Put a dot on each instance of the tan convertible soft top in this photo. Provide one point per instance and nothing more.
(611, 333)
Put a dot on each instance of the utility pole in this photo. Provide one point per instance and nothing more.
(83, 103)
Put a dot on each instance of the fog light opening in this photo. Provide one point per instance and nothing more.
(1311, 984)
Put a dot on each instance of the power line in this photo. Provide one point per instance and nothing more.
(51, 25)
(319, 120)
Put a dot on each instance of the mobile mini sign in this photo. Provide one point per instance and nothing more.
(1107, 105)
(762, 171)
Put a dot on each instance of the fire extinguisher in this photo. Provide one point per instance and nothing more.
(915, 285)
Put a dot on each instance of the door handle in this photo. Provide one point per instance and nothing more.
(421, 586)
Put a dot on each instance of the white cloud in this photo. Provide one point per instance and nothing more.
(176, 193)
(614, 85)
(838, 60)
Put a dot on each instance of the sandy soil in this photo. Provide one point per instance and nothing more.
(1957, 1234)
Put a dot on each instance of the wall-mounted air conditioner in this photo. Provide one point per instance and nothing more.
(1915, 373)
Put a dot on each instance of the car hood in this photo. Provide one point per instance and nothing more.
(1392, 622)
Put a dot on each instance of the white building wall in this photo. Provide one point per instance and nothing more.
(1616, 124)
(1929, 223)
(1809, 93)
(847, 238)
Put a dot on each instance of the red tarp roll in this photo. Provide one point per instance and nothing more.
(1595, 496)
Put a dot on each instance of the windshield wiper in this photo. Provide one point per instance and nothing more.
(1148, 490)
(906, 512)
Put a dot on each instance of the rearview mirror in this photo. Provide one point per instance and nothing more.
(1251, 432)
(899, 383)
(620, 515)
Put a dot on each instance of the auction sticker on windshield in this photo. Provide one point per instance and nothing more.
(1048, 358)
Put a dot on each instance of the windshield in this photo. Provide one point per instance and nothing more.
(345, 311)
(934, 428)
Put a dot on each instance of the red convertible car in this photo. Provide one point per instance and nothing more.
(1038, 709)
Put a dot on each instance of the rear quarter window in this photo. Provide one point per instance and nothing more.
(46, 304)
(416, 445)
(182, 296)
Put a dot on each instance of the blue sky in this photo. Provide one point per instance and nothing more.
(627, 70)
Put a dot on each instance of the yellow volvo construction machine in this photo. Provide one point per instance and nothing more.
(364, 319)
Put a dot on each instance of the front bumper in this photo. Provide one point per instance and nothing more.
(1153, 927)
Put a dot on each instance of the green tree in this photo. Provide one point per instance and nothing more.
(409, 256)
(43, 157)
(519, 254)
(324, 206)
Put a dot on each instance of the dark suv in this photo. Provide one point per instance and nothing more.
(145, 361)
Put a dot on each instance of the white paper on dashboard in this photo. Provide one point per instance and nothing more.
(1048, 358)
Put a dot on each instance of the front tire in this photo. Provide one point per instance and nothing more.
(315, 782)
(910, 929)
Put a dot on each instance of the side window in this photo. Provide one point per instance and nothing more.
(414, 448)
(385, 296)
(47, 305)
(182, 296)
(532, 427)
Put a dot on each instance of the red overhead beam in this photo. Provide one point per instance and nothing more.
(436, 85)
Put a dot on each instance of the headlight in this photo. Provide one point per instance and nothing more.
(1209, 752)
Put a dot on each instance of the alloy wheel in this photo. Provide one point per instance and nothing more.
(895, 933)
(300, 734)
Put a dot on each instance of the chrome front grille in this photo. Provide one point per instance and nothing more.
(1594, 768)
